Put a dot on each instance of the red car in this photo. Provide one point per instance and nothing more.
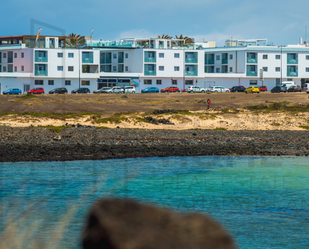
(170, 89)
(36, 90)
(263, 88)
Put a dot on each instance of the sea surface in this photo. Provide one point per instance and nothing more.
(262, 201)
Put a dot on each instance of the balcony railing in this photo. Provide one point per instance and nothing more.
(292, 74)
(108, 60)
(251, 60)
(87, 60)
(224, 61)
(210, 61)
(40, 73)
(191, 73)
(150, 59)
(292, 61)
(41, 59)
(102, 60)
(251, 73)
(150, 72)
(120, 59)
(191, 60)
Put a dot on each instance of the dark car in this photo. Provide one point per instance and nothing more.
(60, 90)
(263, 88)
(36, 90)
(151, 89)
(278, 89)
(170, 89)
(238, 89)
(295, 89)
(81, 90)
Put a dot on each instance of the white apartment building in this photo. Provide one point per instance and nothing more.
(25, 63)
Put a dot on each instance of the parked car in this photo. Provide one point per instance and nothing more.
(104, 90)
(118, 89)
(195, 89)
(36, 90)
(170, 89)
(295, 89)
(287, 84)
(252, 89)
(306, 87)
(263, 88)
(218, 89)
(151, 89)
(238, 89)
(12, 91)
(81, 90)
(58, 90)
(129, 89)
(278, 89)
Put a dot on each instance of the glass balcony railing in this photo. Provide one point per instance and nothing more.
(251, 73)
(150, 72)
(211, 61)
(108, 60)
(191, 73)
(191, 60)
(251, 60)
(120, 60)
(41, 59)
(150, 59)
(292, 61)
(224, 61)
(40, 73)
(87, 60)
(102, 60)
(292, 74)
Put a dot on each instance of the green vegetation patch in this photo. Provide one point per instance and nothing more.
(102, 127)
(27, 96)
(116, 118)
(279, 106)
(306, 127)
(220, 129)
(275, 124)
(52, 115)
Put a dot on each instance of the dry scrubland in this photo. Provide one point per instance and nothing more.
(231, 111)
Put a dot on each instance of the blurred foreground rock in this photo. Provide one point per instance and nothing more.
(125, 224)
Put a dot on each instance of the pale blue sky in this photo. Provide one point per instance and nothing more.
(281, 22)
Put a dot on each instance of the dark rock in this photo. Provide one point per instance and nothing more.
(125, 224)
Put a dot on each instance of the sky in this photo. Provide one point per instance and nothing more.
(281, 22)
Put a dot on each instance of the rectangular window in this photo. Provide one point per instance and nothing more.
(277, 69)
(189, 82)
(59, 68)
(15, 69)
(231, 57)
(67, 82)
(278, 56)
(4, 68)
(265, 69)
(85, 82)
(161, 68)
(114, 55)
(22, 55)
(147, 82)
(161, 55)
(307, 57)
(176, 55)
(60, 55)
(307, 69)
(127, 55)
(51, 82)
(22, 68)
(231, 69)
(71, 55)
(15, 55)
(289, 79)
(127, 68)
(159, 82)
(218, 70)
(114, 68)
(70, 68)
(4, 55)
(217, 57)
(253, 82)
(174, 82)
(39, 82)
(265, 56)
(176, 68)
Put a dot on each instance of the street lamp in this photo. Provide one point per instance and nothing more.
(281, 66)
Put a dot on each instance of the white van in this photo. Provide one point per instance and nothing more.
(287, 84)
(306, 87)
(129, 89)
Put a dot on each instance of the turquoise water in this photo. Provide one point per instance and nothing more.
(262, 201)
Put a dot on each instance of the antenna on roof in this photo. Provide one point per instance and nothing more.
(306, 34)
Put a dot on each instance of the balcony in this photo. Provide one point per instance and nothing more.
(120, 60)
(251, 73)
(40, 73)
(224, 61)
(41, 59)
(191, 73)
(191, 60)
(108, 60)
(150, 59)
(252, 60)
(292, 61)
(292, 74)
(211, 61)
(87, 60)
(150, 72)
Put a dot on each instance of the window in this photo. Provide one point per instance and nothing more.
(22, 55)
(67, 82)
(217, 57)
(85, 82)
(265, 56)
(60, 55)
(22, 68)
(289, 79)
(15, 69)
(176, 55)
(265, 69)
(307, 57)
(277, 69)
(4, 55)
(15, 55)
(161, 68)
(253, 82)
(278, 81)
(4, 68)
(114, 68)
(231, 57)
(71, 55)
(161, 55)
(218, 70)
(51, 82)
(159, 82)
(114, 55)
(127, 68)
(127, 55)
(278, 56)
(189, 82)
(70, 68)
(176, 68)
(39, 82)
(231, 69)
(174, 82)
(147, 82)
(307, 69)
(59, 68)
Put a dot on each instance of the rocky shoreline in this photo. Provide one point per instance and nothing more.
(90, 143)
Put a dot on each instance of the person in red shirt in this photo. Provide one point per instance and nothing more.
(208, 103)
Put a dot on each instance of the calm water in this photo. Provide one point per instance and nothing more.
(262, 201)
